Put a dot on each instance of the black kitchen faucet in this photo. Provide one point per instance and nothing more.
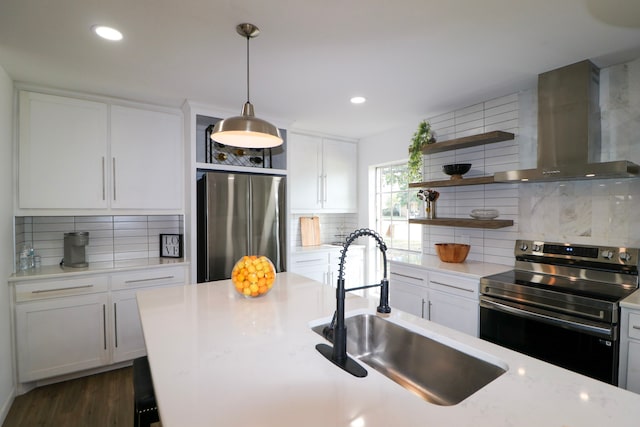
(337, 331)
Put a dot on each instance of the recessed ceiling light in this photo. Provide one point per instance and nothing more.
(358, 100)
(107, 33)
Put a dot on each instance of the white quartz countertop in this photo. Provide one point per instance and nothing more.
(632, 301)
(473, 269)
(220, 359)
(56, 271)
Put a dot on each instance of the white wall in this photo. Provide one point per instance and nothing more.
(6, 241)
(388, 147)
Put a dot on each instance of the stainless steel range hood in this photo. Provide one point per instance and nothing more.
(569, 130)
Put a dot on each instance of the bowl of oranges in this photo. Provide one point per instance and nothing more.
(253, 275)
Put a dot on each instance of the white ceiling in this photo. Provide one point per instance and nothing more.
(409, 58)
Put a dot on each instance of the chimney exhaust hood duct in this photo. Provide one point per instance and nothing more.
(569, 130)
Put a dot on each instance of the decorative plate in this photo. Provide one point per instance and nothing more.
(484, 213)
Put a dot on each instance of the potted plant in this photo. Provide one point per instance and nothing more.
(422, 136)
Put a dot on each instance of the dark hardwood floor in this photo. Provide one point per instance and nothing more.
(98, 400)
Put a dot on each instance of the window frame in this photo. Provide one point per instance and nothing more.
(392, 193)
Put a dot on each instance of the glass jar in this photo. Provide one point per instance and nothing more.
(253, 275)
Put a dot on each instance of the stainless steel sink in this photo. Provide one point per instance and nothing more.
(434, 371)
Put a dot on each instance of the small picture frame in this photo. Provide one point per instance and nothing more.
(171, 246)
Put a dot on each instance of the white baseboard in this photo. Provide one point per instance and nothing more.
(6, 405)
(23, 388)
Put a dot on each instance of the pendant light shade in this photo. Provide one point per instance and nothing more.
(246, 130)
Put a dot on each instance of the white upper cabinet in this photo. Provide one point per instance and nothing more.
(340, 162)
(322, 174)
(62, 153)
(77, 155)
(305, 169)
(146, 159)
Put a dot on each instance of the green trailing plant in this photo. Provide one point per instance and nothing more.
(420, 139)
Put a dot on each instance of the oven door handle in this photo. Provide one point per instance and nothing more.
(551, 319)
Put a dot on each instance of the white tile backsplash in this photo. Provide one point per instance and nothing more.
(111, 238)
(458, 202)
(331, 225)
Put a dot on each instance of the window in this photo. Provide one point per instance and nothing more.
(395, 204)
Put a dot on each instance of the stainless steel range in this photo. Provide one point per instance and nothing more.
(561, 304)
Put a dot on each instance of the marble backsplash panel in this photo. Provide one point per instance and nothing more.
(620, 111)
(601, 212)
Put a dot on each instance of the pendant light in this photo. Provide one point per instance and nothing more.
(246, 130)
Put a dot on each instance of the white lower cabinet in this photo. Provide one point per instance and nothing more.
(454, 302)
(69, 325)
(446, 299)
(62, 335)
(61, 326)
(629, 370)
(127, 338)
(323, 264)
(408, 290)
(453, 311)
(128, 341)
(353, 267)
(633, 367)
(314, 265)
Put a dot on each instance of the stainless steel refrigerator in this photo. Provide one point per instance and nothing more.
(239, 214)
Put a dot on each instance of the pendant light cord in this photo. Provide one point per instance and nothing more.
(248, 69)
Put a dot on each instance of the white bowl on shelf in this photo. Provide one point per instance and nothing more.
(484, 214)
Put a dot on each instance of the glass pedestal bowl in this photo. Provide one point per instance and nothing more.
(253, 275)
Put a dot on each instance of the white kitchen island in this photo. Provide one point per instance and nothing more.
(218, 359)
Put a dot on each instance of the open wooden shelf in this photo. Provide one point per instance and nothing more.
(468, 141)
(454, 182)
(465, 142)
(464, 222)
(453, 144)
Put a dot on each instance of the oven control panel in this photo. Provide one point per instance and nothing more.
(600, 254)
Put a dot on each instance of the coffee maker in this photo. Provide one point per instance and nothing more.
(74, 249)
